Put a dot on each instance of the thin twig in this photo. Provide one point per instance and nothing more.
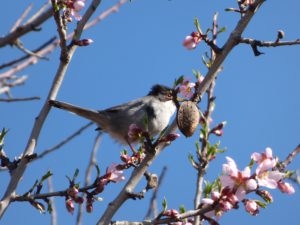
(50, 48)
(290, 157)
(19, 99)
(22, 17)
(63, 142)
(257, 43)
(92, 163)
(39, 12)
(21, 47)
(268, 43)
(53, 208)
(24, 29)
(47, 43)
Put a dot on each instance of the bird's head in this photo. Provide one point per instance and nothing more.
(163, 93)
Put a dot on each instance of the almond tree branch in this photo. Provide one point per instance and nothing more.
(19, 99)
(21, 47)
(17, 174)
(24, 29)
(22, 17)
(63, 142)
(180, 217)
(290, 157)
(269, 43)
(137, 174)
(44, 51)
(257, 43)
(51, 41)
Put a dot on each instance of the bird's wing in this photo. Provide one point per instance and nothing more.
(132, 105)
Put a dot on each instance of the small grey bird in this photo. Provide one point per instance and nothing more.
(157, 108)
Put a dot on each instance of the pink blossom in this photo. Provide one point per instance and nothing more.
(237, 180)
(252, 207)
(286, 188)
(269, 179)
(78, 5)
(113, 174)
(191, 41)
(186, 88)
(265, 160)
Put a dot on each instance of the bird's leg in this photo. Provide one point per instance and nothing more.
(130, 146)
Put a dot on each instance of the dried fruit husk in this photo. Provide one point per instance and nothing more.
(188, 118)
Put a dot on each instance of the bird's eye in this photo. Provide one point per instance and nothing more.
(169, 95)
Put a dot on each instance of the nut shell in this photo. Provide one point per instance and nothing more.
(188, 118)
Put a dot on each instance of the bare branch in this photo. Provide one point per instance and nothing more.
(63, 142)
(257, 43)
(22, 17)
(20, 46)
(289, 159)
(24, 29)
(47, 43)
(19, 99)
(39, 12)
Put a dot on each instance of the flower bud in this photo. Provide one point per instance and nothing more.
(70, 205)
(265, 195)
(286, 187)
(252, 207)
(83, 42)
(169, 137)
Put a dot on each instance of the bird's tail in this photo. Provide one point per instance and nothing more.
(92, 115)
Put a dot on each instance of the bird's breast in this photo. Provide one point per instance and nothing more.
(159, 116)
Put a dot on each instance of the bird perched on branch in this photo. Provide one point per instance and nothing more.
(156, 109)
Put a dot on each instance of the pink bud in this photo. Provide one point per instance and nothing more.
(70, 205)
(72, 192)
(169, 137)
(218, 132)
(286, 188)
(83, 42)
(78, 5)
(266, 195)
(252, 207)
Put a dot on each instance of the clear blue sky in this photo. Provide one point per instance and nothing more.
(134, 49)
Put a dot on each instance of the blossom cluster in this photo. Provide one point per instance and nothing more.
(113, 174)
(237, 184)
(72, 8)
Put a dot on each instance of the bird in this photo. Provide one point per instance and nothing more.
(156, 108)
